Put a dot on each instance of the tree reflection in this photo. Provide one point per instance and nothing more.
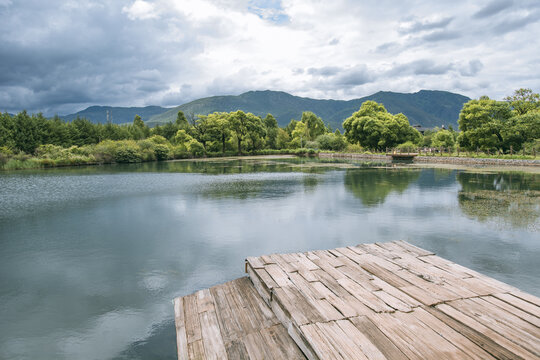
(507, 198)
(372, 186)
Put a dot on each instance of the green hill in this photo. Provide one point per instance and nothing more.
(426, 108)
(118, 115)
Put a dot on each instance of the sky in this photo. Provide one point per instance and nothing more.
(58, 57)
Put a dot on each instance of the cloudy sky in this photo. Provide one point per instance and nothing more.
(60, 56)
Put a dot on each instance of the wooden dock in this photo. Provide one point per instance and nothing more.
(371, 301)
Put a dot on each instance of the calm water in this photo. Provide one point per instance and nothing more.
(90, 258)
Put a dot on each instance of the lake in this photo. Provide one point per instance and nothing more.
(91, 257)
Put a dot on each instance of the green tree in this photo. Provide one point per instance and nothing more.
(271, 126)
(283, 139)
(374, 127)
(315, 125)
(137, 121)
(7, 129)
(219, 128)
(181, 120)
(523, 101)
(246, 125)
(481, 123)
(290, 126)
(83, 132)
(300, 135)
(443, 138)
(25, 133)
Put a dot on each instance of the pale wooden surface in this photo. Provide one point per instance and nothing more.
(395, 301)
(230, 321)
(371, 301)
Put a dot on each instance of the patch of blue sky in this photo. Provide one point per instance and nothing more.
(270, 10)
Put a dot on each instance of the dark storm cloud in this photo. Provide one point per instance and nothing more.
(493, 8)
(82, 53)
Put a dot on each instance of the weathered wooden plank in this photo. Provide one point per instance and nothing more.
(341, 341)
(196, 350)
(237, 350)
(255, 262)
(471, 349)
(181, 337)
(193, 326)
(527, 297)
(414, 249)
(322, 347)
(392, 330)
(278, 274)
(518, 331)
(360, 341)
(286, 266)
(425, 339)
(377, 338)
(519, 303)
(365, 296)
(280, 345)
(505, 349)
(532, 319)
(395, 292)
(214, 347)
(392, 301)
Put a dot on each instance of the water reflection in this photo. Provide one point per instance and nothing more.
(506, 199)
(372, 186)
(90, 258)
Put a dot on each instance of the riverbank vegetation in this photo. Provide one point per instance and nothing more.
(487, 128)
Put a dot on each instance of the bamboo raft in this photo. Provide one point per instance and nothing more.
(370, 301)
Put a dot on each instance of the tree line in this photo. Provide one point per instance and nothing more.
(484, 124)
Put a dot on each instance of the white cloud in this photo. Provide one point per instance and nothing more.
(166, 52)
(140, 10)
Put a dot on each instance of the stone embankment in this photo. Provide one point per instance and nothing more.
(437, 159)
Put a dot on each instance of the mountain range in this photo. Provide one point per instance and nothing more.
(427, 108)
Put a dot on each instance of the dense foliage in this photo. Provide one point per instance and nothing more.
(375, 128)
(484, 124)
(491, 125)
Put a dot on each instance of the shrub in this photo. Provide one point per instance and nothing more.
(333, 142)
(195, 148)
(161, 151)
(407, 146)
(158, 139)
(354, 148)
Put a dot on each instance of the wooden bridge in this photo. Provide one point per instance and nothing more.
(371, 301)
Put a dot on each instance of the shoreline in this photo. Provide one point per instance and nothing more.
(436, 159)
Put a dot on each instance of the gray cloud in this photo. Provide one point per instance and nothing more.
(423, 25)
(60, 56)
(516, 22)
(420, 67)
(493, 8)
(324, 71)
(472, 68)
(96, 55)
(334, 41)
(441, 35)
(355, 76)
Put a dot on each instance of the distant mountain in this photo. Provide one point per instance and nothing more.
(118, 115)
(426, 108)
